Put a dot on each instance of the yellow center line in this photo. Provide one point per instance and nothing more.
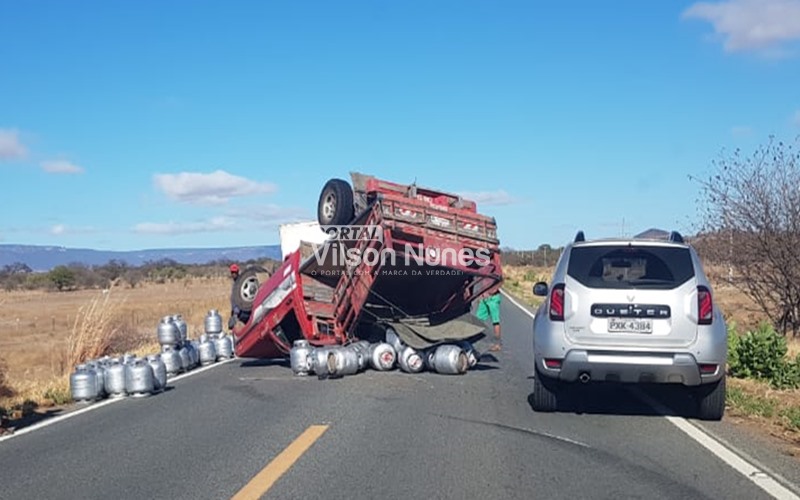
(264, 480)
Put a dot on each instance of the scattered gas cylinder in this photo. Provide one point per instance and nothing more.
(382, 356)
(343, 361)
(138, 378)
(168, 333)
(448, 359)
(159, 369)
(410, 361)
(208, 352)
(115, 379)
(224, 347)
(213, 322)
(172, 360)
(83, 384)
(300, 358)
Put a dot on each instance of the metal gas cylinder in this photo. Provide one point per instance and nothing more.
(382, 356)
(127, 358)
(208, 352)
(361, 349)
(83, 384)
(410, 361)
(159, 369)
(138, 378)
(224, 347)
(181, 325)
(449, 359)
(213, 322)
(186, 358)
(172, 360)
(99, 376)
(300, 358)
(195, 351)
(394, 340)
(115, 379)
(343, 361)
(320, 361)
(472, 355)
(167, 331)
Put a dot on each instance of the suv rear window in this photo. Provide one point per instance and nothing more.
(623, 266)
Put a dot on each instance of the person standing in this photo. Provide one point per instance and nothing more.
(489, 309)
(234, 270)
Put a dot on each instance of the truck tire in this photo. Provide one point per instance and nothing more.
(335, 207)
(245, 288)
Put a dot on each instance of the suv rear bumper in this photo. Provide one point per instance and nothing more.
(629, 367)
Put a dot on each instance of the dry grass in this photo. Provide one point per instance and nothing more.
(43, 335)
(93, 330)
(765, 410)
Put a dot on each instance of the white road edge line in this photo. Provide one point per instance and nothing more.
(740, 465)
(519, 306)
(758, 476)
(54, 420)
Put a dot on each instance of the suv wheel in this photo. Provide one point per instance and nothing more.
(545, 393)
(711, 400)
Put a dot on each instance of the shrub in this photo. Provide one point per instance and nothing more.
(761, 355)
(758, 354)
(788, 375)
(733, 348)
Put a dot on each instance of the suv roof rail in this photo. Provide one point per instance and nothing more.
(676, 237)
(579, 237)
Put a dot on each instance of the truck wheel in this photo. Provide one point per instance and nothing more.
(711, 400)
(245, 288)
(335, 207)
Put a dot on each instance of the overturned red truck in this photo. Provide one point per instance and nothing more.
(393, 254)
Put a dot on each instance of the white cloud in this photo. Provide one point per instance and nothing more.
(241, 219)
(11, 147)
(61, 167)
(751, 25)
(269, 213)
(64, 229)
(498, 197)
(208, 189)
(215, 224)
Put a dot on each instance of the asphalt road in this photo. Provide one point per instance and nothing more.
(389, 435)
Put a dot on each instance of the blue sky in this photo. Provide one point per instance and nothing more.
(130, 125)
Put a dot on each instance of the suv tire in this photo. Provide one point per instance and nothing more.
(711, 400)
(545, 393)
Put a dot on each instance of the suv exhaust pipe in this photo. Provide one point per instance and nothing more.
(584, 377)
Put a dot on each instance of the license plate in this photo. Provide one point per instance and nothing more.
(629, 325)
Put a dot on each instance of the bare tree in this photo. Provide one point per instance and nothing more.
(750, 222)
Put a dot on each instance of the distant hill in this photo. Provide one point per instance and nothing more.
(44, 258)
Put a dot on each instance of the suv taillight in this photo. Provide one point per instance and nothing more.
(705, 306)
(557, 302)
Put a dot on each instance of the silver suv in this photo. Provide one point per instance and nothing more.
(637, 310)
